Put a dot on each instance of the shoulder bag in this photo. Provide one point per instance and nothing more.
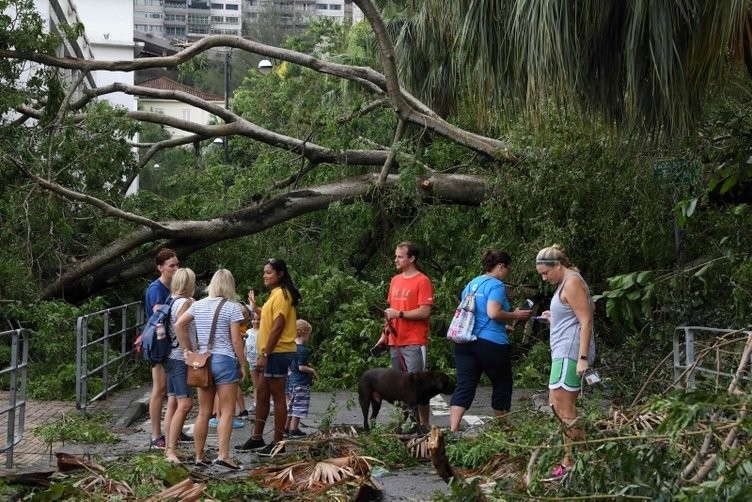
(199, 365)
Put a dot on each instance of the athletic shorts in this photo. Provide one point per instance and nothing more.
(564, 375)
(278, 364)
(414, 355)
(300, 400)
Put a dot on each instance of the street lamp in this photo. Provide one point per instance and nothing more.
(265, 67)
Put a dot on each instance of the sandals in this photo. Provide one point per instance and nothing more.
(228, 465)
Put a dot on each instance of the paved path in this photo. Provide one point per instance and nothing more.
(336, 408)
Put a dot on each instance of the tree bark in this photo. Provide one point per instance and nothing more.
(104, 269)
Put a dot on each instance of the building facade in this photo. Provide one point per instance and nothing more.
(341, 10)
(188, 20)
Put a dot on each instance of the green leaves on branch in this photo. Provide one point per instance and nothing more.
(630, 297)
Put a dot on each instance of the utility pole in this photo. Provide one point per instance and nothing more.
(226, 142)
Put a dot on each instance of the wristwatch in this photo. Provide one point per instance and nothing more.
(264, 355)
(401, 314)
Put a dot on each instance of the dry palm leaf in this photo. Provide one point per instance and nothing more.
(107, 485)
(418, 447)
(313, 474)
(185, 491)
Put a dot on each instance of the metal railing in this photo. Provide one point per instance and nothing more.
(706, 351)
(104, 339)
(14, 412)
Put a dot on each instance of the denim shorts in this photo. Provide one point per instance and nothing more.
(225, 369)
(278, 364)
(177, 375)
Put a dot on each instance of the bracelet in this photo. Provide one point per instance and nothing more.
(401, 314)
(584, 358)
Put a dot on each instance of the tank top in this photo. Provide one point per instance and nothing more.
(565, 328)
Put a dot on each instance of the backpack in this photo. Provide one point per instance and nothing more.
(461, 328)
(154, 342)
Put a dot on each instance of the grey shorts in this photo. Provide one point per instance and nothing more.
(414, 355)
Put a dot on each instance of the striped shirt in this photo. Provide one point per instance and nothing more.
(177, 352)
(203, 315)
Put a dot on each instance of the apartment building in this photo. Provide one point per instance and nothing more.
(187, 20)
(341, 10)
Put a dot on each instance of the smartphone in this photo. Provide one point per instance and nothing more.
(527, 304)
(540, 318)
(592, 377)
(379, 350)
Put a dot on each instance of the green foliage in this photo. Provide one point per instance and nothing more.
(147, 473)
(78, 429)
(630, 297)
(381, 444)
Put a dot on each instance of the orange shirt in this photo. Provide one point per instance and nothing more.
(409, 294)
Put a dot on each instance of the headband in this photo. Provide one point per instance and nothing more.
(546, 261)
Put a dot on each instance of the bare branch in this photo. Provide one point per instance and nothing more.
(87, 199)
(392, 152)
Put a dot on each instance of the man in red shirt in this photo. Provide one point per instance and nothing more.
(410, 299)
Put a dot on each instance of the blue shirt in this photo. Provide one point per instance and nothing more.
(488, 289)
(156, 294)
(297, 377)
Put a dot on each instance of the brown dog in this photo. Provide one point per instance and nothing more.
(410, 389)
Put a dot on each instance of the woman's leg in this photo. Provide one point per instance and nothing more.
(564, 403)
(201, 427)
(226, 394)
(495, 361)
(262, 406)
(170, 442)
(156, 398)
(277, 388)
(182, 406)
(468, 376)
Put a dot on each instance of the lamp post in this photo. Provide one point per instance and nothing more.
(265, 66)
(226, 144)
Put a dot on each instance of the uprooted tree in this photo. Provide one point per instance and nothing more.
(61, 140)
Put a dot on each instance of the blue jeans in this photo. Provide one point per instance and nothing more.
(177, 375)
(225, 369)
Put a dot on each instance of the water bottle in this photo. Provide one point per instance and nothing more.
(159, 329)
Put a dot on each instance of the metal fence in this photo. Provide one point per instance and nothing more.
(104, 350)
(707, 354)
(14, 413)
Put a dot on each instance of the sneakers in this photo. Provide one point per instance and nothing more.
(559, 472)
(236, 424)
(251, 444)
(271, 450)
(185, 438)
(158, 443)
(296, 433)
(243, 415)
(285, 432)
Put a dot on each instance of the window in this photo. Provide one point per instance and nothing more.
(217, 6)
(197, 19)
(217, 19)
(230, 6)
(185, 114)
(156, 15)
(321, 6)
(141, 27)
(334, 6)
(232, 20)
(177, 31)
(175, 17)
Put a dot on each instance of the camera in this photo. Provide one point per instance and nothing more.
(379, 350)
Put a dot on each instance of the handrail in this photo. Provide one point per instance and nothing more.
(16, 408)
(114, 329)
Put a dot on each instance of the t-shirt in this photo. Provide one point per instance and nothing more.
(177, 351)
(278, 304)
(409, 293)
(489, 289)
(156, 294)
(203, 316)
(297, 377)
(251, 354)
